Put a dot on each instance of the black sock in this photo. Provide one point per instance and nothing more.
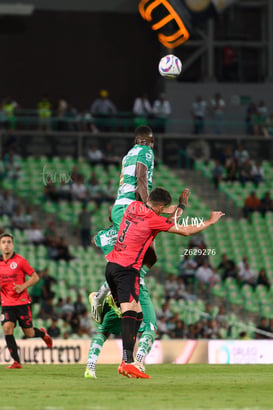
(12, 346)
(128, 333)
(38, 332)
(138, 322)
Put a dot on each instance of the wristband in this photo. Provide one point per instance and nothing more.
(181, 206)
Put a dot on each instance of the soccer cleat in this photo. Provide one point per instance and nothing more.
(14, 365)
(89, 373)
(131, 370)
(96, 307)
(139, 365)
(47, 339)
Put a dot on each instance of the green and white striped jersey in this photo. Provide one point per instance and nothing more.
(106, 239)
(128, 181)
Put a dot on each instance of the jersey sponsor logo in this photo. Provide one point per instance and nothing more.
(13, 265)
(148, 156)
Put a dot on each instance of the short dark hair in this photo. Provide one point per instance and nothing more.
(4, 234)
(144, 135)
(160, 196)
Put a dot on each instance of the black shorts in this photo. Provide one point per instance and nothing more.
(123, 282)
(22, 313)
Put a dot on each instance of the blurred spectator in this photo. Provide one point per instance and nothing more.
(211, 331)
(59, 307)
(64, 191)
(165, 311)
(9, 106)
(170, 287)
(188, 267)
(95, 155)
(199, 109)
(262, 108)
(264, 327)
(230, 64)
(34, 234)
(63, 251)
(162, 327)
(47, 309)
(61, 113)
(36, 291)
(251, 110)
(44, 113)
(217, 173)
(252, 204)
(257, 173)
(266, 204)
(48, 281)
(50, 191)
(229, 163)
(79, 306)
(67, 309)
(180, 330)
(263, 279)
(103, 109)
(206, 275)
(12, 165)
(87, 122)
(142, 110)
(245, 172)
(7, 203)
(50, 233)
(246, 274)
(227, 268)
(85, 324)
(19, 219)
(198, 330)
(53, 330)
(162, 111)
(222, 318)
(259, 124)
(109, 157)
(84, 223)
(240, 155)
(191, 333)
(79, 190)
(218, 106)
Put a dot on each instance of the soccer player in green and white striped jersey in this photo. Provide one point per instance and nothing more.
(135, 183)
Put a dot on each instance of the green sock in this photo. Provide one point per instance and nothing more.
(144, 270)
(95, 349)
(145, 344)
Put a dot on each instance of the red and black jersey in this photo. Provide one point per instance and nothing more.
(138, 228)
(14, 271)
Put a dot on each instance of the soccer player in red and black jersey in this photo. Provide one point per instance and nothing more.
(15, 300)
(140, 225)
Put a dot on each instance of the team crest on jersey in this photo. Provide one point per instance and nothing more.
(13, 265)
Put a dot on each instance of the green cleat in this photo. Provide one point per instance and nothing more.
(90, 374)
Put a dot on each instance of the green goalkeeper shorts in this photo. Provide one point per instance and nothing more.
(149, 316)
(117, 214)
(111, 323)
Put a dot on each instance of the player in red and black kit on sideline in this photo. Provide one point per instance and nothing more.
(140, 225)
(15, 301)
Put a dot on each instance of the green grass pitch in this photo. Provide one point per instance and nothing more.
(194, 386)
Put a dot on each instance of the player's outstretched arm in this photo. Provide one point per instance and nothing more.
(215, 216)
(142, 182)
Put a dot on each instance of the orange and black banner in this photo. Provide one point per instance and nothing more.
(173, 20)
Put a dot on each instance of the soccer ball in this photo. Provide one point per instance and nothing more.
(170, 66)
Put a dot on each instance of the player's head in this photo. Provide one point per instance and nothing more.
(159, 199)
(144, 136)
(6, 243)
